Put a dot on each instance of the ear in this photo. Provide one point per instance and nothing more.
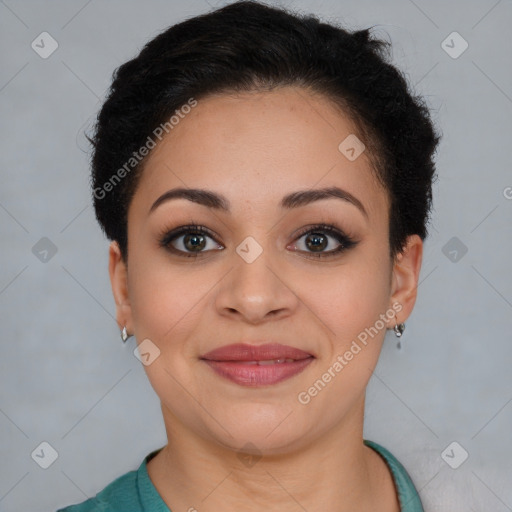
(119, 282)
(405, 276)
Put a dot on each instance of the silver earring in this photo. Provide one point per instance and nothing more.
(124, 334)
(399, 330)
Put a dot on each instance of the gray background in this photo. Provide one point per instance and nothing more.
(66, 377)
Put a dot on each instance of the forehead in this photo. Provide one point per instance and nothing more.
(255, 147)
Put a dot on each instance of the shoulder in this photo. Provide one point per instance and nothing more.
(121, 495)
(407, 493)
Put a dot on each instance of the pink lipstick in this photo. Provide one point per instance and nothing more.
(257, 365)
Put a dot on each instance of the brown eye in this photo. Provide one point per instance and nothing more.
(316, 242)
(194, 242)
(323, 241)
(189, 241)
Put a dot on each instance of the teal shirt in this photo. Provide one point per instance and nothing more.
(134, 491)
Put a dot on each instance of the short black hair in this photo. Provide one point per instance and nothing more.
(250, 46)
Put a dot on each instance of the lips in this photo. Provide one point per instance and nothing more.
(244, 352)
(257, 365)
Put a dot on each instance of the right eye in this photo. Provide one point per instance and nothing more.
(189, 241)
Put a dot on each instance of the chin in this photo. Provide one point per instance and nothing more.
(261, 433)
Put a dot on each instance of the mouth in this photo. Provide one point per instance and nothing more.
(257, 365)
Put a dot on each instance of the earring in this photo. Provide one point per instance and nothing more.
(124, 334)
(399, 330)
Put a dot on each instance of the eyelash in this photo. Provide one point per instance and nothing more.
(344, 240)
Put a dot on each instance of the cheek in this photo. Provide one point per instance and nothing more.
(352, 301)
(166, 304)
(165, 298)
(349, 298)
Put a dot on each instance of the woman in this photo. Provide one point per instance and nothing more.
(265, 180)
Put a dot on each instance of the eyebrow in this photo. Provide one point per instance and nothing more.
(294, 200)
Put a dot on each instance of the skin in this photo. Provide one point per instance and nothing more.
(254, 148)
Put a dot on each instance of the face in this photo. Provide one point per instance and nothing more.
(266, 263)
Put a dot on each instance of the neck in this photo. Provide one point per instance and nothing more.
(335, 472)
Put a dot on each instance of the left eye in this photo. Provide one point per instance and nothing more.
(323, 241)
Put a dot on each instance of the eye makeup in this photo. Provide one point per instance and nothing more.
(194, 237)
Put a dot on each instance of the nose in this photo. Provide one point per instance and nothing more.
(256, 291)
